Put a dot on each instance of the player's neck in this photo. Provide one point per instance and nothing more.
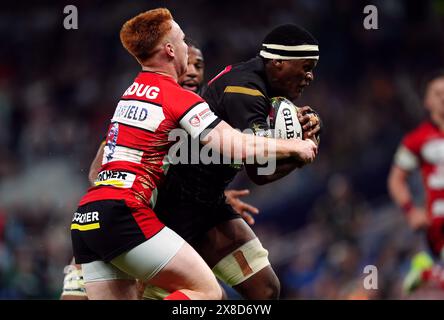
(164, 70)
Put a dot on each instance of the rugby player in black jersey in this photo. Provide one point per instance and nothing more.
(192, 202)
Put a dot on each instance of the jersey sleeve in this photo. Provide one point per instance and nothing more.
(246, 108)
(198, 118)
(407, 155)
(193, 114)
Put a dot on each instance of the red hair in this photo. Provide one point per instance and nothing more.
(141, 34)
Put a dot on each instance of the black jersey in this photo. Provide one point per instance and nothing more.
(238, 95)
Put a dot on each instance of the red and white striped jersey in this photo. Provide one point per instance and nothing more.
(135, 155)
(424, 148)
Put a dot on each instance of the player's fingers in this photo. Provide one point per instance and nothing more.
(249, 208)
(247, 217)
(305, 109)
(304, 119)
(239, 193)
(314, 151)
(308, 125)
(313, 131)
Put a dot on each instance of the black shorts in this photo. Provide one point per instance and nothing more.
(192, 220)
(102, 230)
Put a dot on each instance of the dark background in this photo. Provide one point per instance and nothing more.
(322, 224)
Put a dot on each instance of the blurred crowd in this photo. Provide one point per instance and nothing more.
(322, 224)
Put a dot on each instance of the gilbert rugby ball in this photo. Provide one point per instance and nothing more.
(284, 122)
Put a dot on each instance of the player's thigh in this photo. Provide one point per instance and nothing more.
(142, 261)
(238, 258)
(187, 270)
(118, 289)
(168, 262)
(223, 239)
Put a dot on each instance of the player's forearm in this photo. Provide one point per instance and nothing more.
(283, 168)
(231, 143)
(398, 187)
(96, 164)
(239, 146)
(254, 146)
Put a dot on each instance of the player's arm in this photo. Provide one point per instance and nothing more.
(239, 146)
(399, 188)
(283, 168)
(200, 122)
(311, 125)
(96, 164)
(248, 108)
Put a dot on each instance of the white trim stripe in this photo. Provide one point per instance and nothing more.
(121, 153)
(303, 47)
(405, 159)
(268, 55)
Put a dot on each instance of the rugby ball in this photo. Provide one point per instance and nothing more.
(284, 122)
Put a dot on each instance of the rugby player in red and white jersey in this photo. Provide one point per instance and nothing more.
(423, 149)
(116, 235)
(73, 286)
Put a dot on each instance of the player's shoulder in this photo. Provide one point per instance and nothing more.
(250, 74)
(185, 97)
(174, 94)
(246, 77)
(422, 129)
(420, 133)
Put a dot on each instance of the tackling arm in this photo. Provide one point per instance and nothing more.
(239, 146)
(96, 164)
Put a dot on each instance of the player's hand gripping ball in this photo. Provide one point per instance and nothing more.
(288, 121)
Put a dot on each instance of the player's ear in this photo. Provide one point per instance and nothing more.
(169, 49)
(277, 63)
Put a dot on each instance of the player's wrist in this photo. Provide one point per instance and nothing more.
(407, 207)
(297, 150)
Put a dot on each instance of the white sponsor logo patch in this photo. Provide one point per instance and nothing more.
(433, 151)
(195, 121)
(119, 179)
(438, 208)
(139, 114)
(86, 217)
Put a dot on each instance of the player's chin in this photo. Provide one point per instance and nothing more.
(297, 93)
(190, 87)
